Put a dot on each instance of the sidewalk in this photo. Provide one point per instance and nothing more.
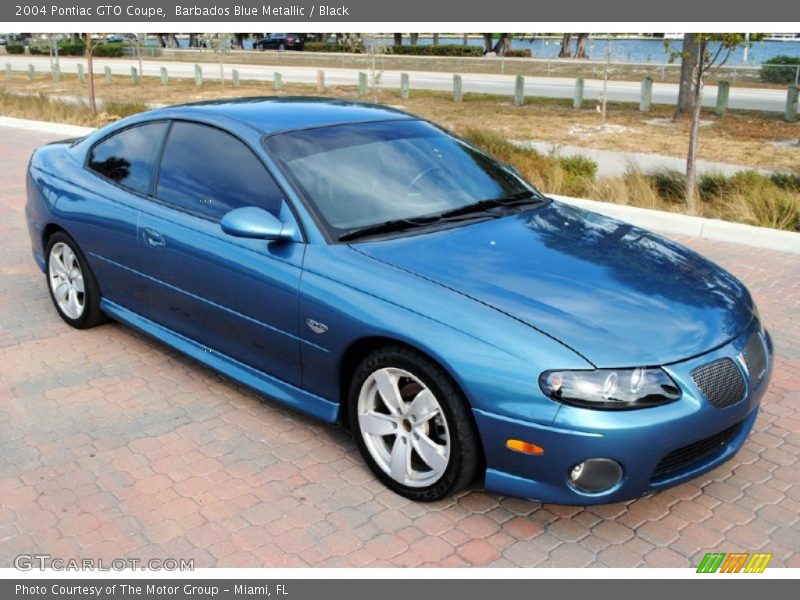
(615, 164)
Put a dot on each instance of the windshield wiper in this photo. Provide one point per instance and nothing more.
(482, 205)
(469, 211)
(389, 227)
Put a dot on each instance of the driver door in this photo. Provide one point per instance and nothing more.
(236, 296)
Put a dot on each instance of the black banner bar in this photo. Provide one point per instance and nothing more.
(342, 11)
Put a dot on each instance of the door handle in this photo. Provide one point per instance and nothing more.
(153, 238)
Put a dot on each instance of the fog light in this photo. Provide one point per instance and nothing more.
(595, 475)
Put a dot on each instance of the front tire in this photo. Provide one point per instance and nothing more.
(412, 425)
(72, 285)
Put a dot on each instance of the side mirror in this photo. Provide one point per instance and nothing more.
(255, 223)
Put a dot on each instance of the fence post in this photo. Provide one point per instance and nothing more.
(404, 86)
(723, 93)
(647, 95)
(164, 76)
(134, 76)
(31, 71)
(458, 96)
(519, 91)
(320, 81)
(577, 100)
(362, 83)
(81, 73)
(235, 77)
(791, 104)
(9, 72)
(277, 82)
(56, 72)
(107, 73)
(198, 75)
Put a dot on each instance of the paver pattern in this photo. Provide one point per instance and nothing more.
(113, 445)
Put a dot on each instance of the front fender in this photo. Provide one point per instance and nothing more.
(495, 359)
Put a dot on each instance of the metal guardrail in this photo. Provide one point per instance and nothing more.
(551, 67)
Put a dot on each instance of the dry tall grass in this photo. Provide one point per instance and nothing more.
(41, 107)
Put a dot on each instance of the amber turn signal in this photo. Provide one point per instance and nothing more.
(524, 447)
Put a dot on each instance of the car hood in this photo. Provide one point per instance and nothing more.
(618, 295)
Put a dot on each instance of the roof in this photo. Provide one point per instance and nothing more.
(272, 115)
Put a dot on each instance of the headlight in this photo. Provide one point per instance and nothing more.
(610, 388)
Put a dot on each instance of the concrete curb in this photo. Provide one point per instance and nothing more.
(662, 222)
(700, 227)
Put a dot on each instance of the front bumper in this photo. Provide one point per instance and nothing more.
(690, 435)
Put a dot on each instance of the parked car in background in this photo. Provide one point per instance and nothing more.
(281, 41)
(363, 265)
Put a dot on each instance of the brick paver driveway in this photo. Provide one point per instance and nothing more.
(113, 445)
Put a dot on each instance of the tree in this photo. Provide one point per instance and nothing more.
(706, 60)
(221, 45)
(413, 38)
(566, 42)
(503, 44)
(90, 65)
(688, 56)
(487, 42)
(580, 49)
(398, 39)
(435, 39)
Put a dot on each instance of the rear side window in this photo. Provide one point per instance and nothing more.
(128, 157)
(208, 172)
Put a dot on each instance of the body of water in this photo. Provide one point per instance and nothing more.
(626, 50)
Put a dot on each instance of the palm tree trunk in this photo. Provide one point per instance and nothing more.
(566, 42)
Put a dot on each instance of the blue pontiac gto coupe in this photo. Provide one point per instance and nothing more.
(360, 264)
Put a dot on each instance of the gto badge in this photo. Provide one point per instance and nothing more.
(316, 326)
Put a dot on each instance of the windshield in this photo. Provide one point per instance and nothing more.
(359, 175)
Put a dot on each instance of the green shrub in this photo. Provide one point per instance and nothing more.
(786, 181)
(332, 47)
(526, 53)
(710, 185)
(15, 48)
(780, 69)
(439, 50)
(669, 184)
(111, 50)
(579, 166)
(65, 48)
(745, 180)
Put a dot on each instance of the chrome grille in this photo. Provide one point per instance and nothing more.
(721, 381)
(755, 357)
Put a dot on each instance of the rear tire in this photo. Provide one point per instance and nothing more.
(412, 425)
(72, 285)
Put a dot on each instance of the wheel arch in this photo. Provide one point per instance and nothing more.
(49, 230)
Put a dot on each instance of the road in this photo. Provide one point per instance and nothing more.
(769, 100)
(113, 445)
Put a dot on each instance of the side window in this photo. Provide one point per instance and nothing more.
(129, 156)
(208, 172)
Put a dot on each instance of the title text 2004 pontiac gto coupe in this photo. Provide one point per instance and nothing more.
(358, 263)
